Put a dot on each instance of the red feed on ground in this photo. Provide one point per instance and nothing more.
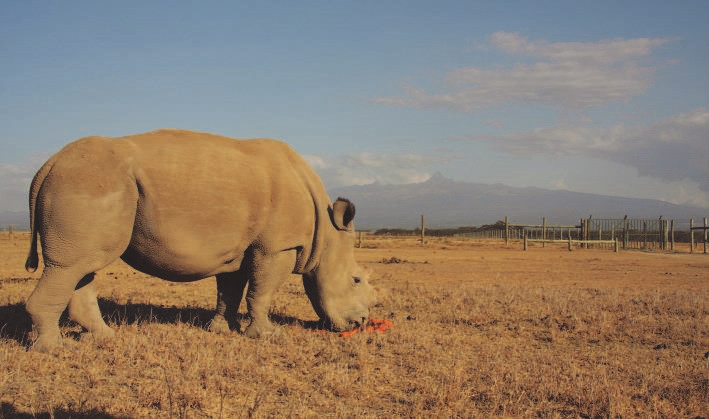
(372, 326)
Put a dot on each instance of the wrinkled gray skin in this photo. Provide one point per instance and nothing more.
(183, 206)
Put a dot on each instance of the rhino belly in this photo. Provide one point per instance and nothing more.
(181, 263)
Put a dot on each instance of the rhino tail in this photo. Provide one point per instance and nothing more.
(32, 261)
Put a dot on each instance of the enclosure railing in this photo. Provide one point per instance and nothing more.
(692, 228)
(629, 233)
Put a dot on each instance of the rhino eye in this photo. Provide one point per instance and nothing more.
(356, 279)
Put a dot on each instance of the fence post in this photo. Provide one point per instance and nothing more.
(544, 232)
(569, 242)
(615, 245)
(507, 232)
(582, 232)
(525, 240)
(625, 232)
(705, 235)
(665, 238)
(691, 235)
(423, 229)
(672, 233)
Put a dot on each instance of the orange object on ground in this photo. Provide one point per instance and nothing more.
(373, 325)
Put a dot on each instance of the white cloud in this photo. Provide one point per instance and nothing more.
(604, 52)
(15, 181)
(564, 74)
(366, 168)
(673, 149)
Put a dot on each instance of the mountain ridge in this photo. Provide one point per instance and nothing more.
(450, 203)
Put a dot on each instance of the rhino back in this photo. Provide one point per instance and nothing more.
(204, 200)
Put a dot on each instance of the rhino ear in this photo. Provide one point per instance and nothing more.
(343, 212)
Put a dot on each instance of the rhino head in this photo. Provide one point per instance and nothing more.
(338, 288)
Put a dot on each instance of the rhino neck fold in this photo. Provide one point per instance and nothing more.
(309, 256)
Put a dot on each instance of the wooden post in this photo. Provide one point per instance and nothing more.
(525, 241)
(423, 229)
(665, 235)
(359, 240)
(625, 232)
(544, 231)
(507, 232)
(672, 234)
(691, 235)
(570, 248)
(705, 235)
(615, 245)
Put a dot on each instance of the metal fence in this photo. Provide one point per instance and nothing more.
(630, 233)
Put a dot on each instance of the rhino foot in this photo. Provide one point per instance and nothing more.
(258, 332)
(219, 325)
(45, 344)
(104, 333)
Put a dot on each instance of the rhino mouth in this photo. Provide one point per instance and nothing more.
(342, 325)
(345, 325)
(357, 324)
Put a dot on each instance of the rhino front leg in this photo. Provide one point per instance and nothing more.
(230, 290)
(269, 272)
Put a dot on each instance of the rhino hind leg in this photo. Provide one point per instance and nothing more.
(230, 290)
(70, 283)
(268, 273)
(55, 289)
(83, 308)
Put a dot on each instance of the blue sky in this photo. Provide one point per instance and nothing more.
(600, 97)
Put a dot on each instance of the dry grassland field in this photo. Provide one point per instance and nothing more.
(480, 330)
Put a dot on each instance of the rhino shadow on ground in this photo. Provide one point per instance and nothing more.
(140, 313)
(132, 313)
(16, 323)
(8, 410)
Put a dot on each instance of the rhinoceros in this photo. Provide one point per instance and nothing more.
(184, 206)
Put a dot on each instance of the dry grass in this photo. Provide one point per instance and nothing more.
(480, 330)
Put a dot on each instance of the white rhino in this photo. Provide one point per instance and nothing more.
(184, 206)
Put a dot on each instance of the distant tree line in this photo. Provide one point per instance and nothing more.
(680, 236)
(439, 232)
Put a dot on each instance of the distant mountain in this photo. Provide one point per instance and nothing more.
(449, 203)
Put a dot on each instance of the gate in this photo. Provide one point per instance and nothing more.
(636, 233)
